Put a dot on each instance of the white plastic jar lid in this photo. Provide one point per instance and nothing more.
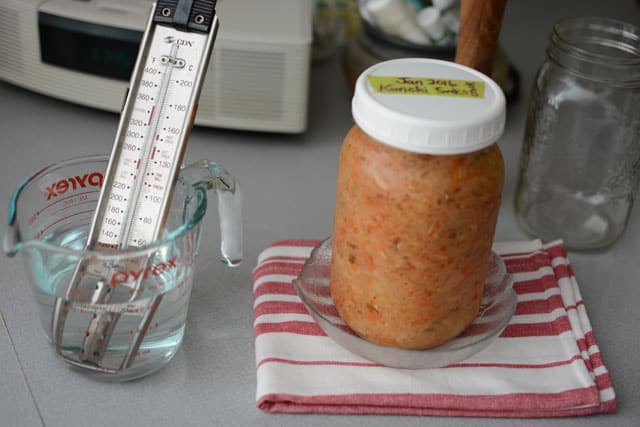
(429, 106)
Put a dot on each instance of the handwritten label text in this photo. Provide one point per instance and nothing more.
(427, 86)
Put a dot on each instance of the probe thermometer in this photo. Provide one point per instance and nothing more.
(147, 154)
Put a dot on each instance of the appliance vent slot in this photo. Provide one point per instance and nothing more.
(10, 43)
(251, 84)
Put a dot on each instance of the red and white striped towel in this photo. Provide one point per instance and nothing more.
(546, 363)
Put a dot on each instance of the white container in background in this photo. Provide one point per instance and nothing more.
(395, 18)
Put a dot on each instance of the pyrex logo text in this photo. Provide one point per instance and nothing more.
(122, 277)
(94, 179)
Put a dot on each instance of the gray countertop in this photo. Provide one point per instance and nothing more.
(288, 183)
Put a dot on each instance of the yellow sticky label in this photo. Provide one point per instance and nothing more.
(427, 86)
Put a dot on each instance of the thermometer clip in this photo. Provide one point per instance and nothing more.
(186, 14)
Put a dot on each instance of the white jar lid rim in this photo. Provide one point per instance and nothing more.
(429, 106)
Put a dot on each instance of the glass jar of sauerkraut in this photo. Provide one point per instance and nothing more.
(419, 189)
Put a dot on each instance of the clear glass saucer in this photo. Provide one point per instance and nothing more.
(496, 309)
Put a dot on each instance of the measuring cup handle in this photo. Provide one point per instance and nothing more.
(209, 176)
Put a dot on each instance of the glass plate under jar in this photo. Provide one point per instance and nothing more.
(496, 309)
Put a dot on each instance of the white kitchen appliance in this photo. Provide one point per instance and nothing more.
(83, 51)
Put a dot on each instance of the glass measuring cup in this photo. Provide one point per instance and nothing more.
(149, 287)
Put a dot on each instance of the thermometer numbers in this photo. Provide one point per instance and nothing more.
(185, 83)
(109, 234)
(111, 221)
(151, 143)
(134, 134)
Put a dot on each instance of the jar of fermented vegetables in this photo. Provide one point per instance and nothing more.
(419, 188)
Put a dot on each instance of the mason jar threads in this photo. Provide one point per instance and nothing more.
(579, 165)
(419, 188)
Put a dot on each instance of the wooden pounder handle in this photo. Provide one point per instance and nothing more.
(480, 22)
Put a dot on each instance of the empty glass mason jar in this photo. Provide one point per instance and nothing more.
(580, 161)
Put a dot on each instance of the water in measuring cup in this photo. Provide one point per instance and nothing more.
(163, 335)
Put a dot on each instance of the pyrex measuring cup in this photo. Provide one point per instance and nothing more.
(140, 326)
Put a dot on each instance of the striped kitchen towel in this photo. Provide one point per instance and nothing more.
(546, 363)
